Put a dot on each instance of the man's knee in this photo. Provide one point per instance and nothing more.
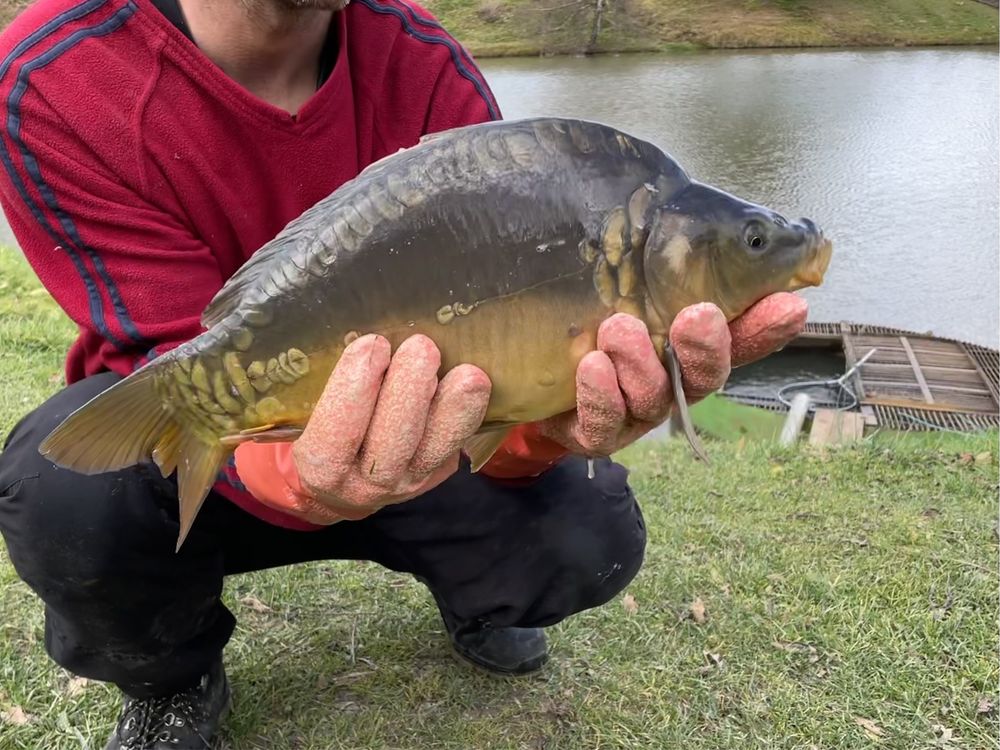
(60, 526)
(591, 541)
(526, 555)
(604, 540)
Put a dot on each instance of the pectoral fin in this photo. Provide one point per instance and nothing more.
(480, 448)
(268, 433)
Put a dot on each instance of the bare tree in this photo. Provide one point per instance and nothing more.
(577, 23)
(596, 27)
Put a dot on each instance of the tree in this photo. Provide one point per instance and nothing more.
(573, 24)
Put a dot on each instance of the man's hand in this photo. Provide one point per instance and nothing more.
(623, 390)
(385, 430)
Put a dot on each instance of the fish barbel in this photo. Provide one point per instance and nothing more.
(506, 243)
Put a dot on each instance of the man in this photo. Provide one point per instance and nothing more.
(149, 147)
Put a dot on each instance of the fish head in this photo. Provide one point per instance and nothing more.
(706, 245)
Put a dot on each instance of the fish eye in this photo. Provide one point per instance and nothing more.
(755, 236)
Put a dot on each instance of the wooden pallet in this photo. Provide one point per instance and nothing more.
(913, 371)
(914, 381)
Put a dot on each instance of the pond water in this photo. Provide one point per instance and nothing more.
(894, 152)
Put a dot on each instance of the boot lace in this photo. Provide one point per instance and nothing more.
(166, 720)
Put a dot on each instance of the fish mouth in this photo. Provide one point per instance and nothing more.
(814, 270)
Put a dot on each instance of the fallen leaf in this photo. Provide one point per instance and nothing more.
(76, 686)
(986, 706)
(630, 605)
(941, 611)
(982, 458)
(696, 611)
(715, 662)
(255, 604)
(944, 735)
(873, 730)
(16, 716)
(966, 458)
(797, 647)
(347, 701)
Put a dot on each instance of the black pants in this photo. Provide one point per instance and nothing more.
(121, 606)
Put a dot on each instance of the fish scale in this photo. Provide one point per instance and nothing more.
(506, 243)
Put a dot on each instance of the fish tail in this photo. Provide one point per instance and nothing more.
(126, 425)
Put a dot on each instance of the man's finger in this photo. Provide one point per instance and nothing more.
(600, 405)
(361, 498)
(455, 414)
(767, 327)
(401, 412)
(337, 427)
(642, 378)
(701, 341)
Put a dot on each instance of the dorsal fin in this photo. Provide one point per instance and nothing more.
(234, 291)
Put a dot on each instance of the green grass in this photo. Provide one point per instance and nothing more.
(34, 335)
(843, 585)
(521, 27)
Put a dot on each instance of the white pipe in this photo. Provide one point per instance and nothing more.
(796, 416)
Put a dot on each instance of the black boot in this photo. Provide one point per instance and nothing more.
(503, 651)
(187, 720)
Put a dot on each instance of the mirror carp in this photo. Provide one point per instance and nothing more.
(506, 243)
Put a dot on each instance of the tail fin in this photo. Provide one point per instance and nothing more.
(127, 424)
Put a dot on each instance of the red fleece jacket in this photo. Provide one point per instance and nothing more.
(138, 177)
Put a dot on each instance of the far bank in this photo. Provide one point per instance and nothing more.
(505, 28)
(501, 28)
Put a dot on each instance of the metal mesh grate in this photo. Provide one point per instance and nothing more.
(823, 329)
(989, 362)
(867, 330)
(761, 402)
(864, 329)
(896, 418)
